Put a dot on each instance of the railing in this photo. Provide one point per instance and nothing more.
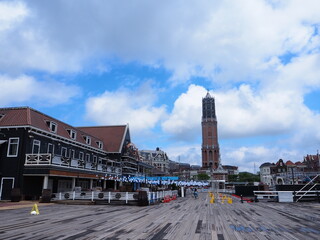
(311, 181)
(38, 159)
(275, 195)
(126, 197)
(48, 159)
(266, 195)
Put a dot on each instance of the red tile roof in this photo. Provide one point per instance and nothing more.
(25, 116)
(112, 136)
(289, 163)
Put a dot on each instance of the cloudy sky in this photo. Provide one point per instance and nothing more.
(150, 63)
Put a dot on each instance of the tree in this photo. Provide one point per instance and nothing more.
(244, 177)
(248, 177)
(203, 176)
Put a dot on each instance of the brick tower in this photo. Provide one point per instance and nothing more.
(210, 146)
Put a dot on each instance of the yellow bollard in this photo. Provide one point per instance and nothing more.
(229, 200)
(35, 210)
(212, 199)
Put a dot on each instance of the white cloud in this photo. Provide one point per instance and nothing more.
(221, 40)
(24, 89)
(126, 106)
(242, 112)
(11, 13)
(249, 159)
(185, 119)
(185, 154)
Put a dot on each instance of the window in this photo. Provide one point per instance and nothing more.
(36, 147)
(72, 133)
(100, 144)
(87, 139)
(94, 159)
(50, 148)
(81, 156)
(13, 147)
(72, 153)
(52, 126)
(87, 157)
(64, 152)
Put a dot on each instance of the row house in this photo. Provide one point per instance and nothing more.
(288, 172)
(40, 152)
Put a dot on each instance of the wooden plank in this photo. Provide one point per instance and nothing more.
(184, 218)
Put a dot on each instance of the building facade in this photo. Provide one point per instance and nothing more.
(157, 158)
(288, 172)
(210, 145)
(40, 152)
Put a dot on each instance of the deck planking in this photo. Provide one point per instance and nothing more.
(184, 218)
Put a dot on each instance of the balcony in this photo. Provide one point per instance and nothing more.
(47, 159)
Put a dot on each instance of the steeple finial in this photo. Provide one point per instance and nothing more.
(208, 94)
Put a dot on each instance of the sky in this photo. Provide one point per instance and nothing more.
(149, 63)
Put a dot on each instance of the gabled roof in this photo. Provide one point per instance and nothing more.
(28, 117)
(112, 136)
(289, 163)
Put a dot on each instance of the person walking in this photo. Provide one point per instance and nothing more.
(195, 193)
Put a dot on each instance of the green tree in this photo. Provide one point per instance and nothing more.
(203, 176)
(233, 178)
(248, 177)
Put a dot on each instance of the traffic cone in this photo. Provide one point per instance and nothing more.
(35, 210)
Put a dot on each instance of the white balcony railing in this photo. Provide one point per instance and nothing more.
(38, 159)
(48, 159)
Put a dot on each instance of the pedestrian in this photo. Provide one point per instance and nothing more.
(195, 193)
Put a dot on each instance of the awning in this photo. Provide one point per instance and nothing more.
(2, 141)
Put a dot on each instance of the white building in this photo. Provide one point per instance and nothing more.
(265, 174)
(156, 158)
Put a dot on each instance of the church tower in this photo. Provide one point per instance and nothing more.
(210, 146)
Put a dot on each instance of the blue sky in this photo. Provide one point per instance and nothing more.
(149, 63)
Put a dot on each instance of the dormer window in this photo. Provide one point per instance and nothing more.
(52, 126)
(87, 139)
(1, 115)
(100, 144)
(72, 133)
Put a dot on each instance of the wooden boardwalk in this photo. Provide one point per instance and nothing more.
(184, 218)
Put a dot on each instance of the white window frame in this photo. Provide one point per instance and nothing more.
(10, 144)
(100, 144)
(53, 125)
(50, 144)
(88, 140)
(66, 151)
(81, 155)
(87, 157)
(95, 159)
(36, 143)
(72, 133)
(72, 153)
